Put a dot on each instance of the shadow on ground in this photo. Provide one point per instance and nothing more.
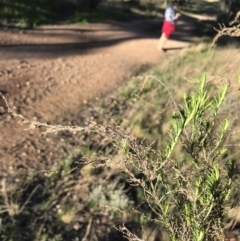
(82, 39)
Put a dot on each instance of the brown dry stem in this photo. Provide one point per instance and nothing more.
(233, 30)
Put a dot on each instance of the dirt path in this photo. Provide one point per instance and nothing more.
(48, 72)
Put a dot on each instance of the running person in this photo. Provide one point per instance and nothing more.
(168, 25)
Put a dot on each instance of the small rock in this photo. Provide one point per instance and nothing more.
(2, 110)
(76, 226)
(28, 101)
(23, 97)
(8, 118)
(10, 103)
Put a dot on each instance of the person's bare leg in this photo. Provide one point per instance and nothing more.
(161, 42)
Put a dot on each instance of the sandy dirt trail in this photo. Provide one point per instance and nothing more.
(50, 71)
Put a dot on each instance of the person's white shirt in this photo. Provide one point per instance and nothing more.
(170, 14)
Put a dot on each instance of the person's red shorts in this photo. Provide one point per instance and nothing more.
(168, 28)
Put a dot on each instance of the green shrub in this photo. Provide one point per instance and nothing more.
(188, 189)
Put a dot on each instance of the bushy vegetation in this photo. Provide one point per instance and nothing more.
(186, 191)
(60, 204)
(229, 9)
(31, 13)
(159, 162)
(165, 159)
